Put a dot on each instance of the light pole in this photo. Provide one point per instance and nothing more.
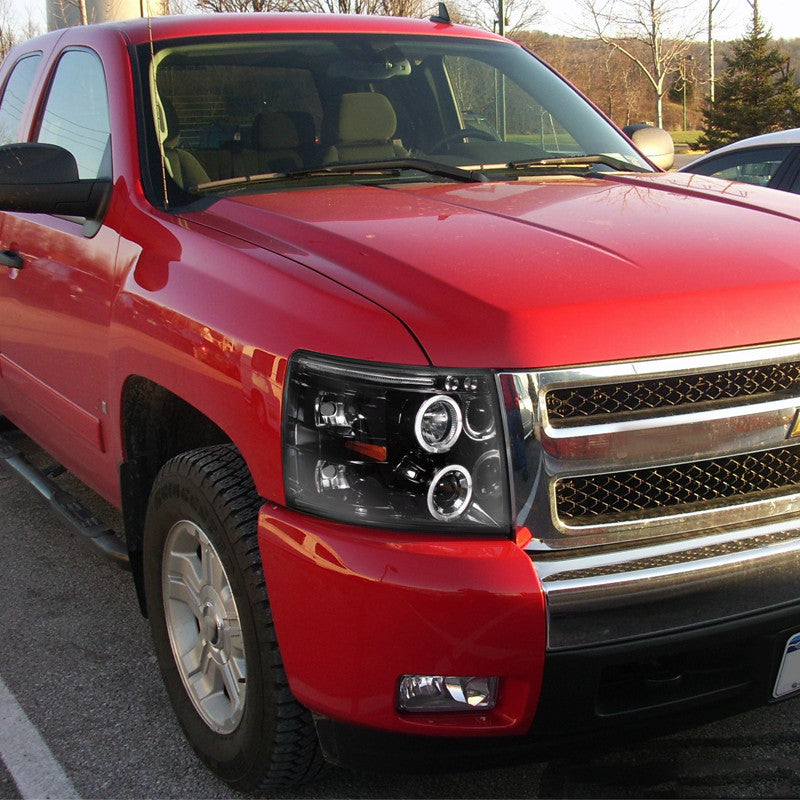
(686, 60)
(500, 79)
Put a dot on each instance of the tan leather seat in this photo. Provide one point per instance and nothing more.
(276, 148)
(181, 165)
(365, 127)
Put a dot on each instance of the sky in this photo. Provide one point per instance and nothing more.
(732, 16)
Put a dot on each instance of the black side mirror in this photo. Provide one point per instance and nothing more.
(43, 179)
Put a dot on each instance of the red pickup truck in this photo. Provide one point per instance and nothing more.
(443, 424)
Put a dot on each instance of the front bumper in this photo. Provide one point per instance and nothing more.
(602, 697)
(355, 609)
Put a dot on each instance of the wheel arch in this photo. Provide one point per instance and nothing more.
(156, 425)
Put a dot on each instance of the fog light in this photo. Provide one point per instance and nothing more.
(447, 693)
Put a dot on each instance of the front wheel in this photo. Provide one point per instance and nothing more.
(212, 626)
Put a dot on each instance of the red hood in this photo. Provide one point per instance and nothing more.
(548, 271)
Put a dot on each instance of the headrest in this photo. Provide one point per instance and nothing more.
(366, 117)
(275, 131)
(172, 125)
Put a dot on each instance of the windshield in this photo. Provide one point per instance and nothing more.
(267, 107)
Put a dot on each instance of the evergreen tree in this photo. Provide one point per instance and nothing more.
(756, 93)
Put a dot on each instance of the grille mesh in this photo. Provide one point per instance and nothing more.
(582, 402)
(587, 500)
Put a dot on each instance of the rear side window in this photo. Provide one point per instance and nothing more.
(217, 104)
(15, 97)
(76, 114)
(757, 166)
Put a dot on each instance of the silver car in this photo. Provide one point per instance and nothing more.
(772, 159)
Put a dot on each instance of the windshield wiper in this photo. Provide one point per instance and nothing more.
(395, 165)
(589, 162)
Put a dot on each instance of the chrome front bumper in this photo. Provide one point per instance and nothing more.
(602, 598)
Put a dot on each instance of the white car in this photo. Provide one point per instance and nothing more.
(772, 159)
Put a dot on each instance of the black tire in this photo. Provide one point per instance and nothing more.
(237, 711)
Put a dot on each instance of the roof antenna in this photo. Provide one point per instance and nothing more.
(442, 15)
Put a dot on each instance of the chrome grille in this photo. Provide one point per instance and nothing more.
(677, 488)
(576, 403)
(667, 447)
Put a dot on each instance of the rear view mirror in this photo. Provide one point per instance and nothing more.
(369, 70)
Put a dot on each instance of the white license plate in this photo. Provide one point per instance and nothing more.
(789, 672)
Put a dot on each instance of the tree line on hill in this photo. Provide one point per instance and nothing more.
(615, 84)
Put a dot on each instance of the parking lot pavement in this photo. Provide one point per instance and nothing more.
(8, 789)
(682, 159)
(76, 655)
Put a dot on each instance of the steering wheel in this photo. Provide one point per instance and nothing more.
(464, 133)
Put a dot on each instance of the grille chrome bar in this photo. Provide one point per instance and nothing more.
(654, 441)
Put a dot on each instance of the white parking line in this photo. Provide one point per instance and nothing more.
(27, 756)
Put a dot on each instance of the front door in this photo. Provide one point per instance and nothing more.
(55, 310)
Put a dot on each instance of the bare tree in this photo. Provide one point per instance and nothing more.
(654, 34)
(713, 22)
(504, 16)
(399, 8)
(621, 82)
(218, 6)
(402, 8)
(8, 34)
(339, 6)
(65, 13)
(180, 6)
(29, 29)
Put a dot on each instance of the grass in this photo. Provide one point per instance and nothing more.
(688, 138)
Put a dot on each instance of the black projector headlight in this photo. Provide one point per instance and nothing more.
(396, 447)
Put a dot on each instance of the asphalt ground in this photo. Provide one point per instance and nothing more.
(8, 789)
(76, 655)
(682, 159)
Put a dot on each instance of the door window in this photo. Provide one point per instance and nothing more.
(757, 166)
(15, 96)
(493, 104)
(76, 115)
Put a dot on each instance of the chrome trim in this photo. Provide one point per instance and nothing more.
(600, 598)
(657, 441)
(669, 365)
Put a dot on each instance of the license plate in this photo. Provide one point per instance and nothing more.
(789, 672)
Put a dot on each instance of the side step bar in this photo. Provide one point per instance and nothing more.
(96, 534)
